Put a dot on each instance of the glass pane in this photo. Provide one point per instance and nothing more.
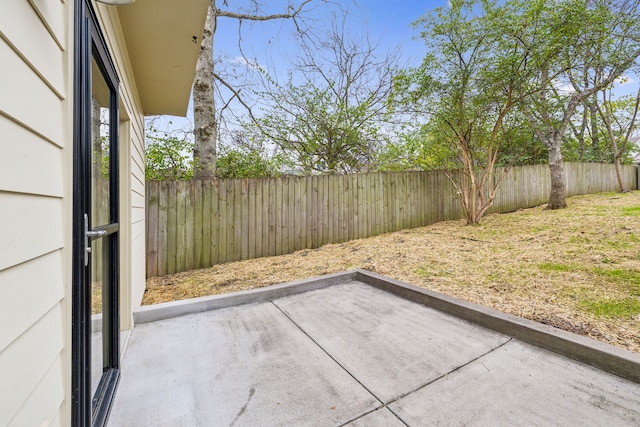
(99, 287)
(100, 215)
(100, 195)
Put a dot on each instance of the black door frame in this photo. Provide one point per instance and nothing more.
(90, 44)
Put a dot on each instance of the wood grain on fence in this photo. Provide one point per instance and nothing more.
(197, 224)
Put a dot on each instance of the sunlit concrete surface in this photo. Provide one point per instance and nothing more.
(343, 351)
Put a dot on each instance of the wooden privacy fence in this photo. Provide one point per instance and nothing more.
(197, 224)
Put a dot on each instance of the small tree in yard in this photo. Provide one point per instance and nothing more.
(619, 128)
(467, 87)
(249, 158)
(328, 115)
(167, 156)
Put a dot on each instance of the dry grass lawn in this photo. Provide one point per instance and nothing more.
(577, 269)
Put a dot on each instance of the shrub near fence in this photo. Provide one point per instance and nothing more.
(197, 224)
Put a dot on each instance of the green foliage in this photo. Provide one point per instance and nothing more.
(235, 162)
(322, 132)
(102, 156)
(465, 94)
(416, 149)
(168, 157)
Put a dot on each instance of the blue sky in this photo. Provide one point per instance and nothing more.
(386, 21)
(270, 43)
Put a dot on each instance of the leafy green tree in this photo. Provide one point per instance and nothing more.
(322, 133)
(619, 118)
(467, 89)
(167, 157)
(565, 40)
(240, 162)
(416, 148)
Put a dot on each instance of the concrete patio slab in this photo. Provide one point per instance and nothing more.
(519, 384)
(238, 366)
(382, 417)
(363, 350)
(390, 345)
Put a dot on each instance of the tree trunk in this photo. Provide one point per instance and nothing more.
(204, 111)
(557, 196)
(616, 162)
(595, 131)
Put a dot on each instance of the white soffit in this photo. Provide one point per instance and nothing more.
(163, 40)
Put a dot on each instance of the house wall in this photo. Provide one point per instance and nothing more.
(36, 188)
(36, 46)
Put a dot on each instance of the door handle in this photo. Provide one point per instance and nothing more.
(90, 235)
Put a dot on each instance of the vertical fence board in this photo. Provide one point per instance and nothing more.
(362, 205)
(161, 250)
(277, 215)
(291, 226)
(181, 226)
(172, 222)
(236, 224)
(351, 201)
(318, 210)
(214, 221)
(222, 221)
(252, 218)
(380, 204)
(271, 241)
(312, 211)
(259, 184)
(151, 197)
(369, 191)
(265, 218)
(198, 225)
(286, 220)
(331, 212)
(339, 207)
(206, 224)
(304, 202)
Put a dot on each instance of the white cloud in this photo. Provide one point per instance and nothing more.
(244, 62)
(625, 79)
(563, 87)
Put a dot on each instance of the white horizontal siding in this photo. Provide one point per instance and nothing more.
(29, 227)
(43, 406)
(137, 199)
(137, 214)
(55, 17)
(28, 99)
(34, 43)
(137, 184)
(27, 291)
(26, 364)
(30, 164)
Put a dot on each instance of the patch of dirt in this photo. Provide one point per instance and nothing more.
(538, 264)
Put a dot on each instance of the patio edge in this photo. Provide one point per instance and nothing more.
(168, 310)
(618, 361)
